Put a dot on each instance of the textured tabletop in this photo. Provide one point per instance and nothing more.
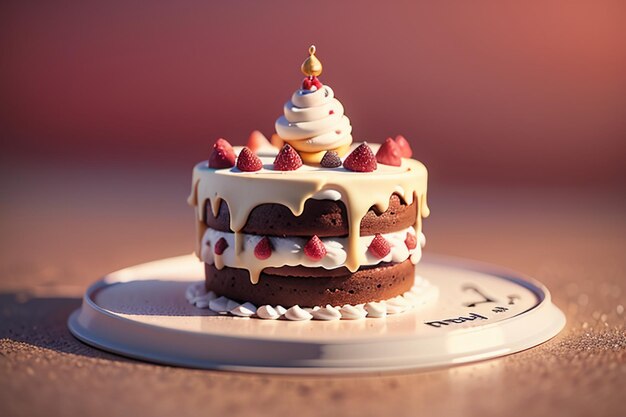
(63, 231)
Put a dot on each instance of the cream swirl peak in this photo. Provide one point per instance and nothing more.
(314, 121)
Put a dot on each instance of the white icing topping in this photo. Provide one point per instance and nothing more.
(314, 121)
(421, 293)
(244, 310)
(376, 309)
(289, 250)
(268, 312)
(243, 191)
(350, 312)
(397, 305)
(328, 194)
(296, 313)
(326, 313)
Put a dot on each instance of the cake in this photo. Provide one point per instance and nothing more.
(319, 228)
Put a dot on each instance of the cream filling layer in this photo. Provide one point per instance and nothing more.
(288, 251)
(314, 121)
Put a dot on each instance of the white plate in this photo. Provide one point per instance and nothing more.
(482, 312)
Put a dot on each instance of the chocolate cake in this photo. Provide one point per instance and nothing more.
(322, 223)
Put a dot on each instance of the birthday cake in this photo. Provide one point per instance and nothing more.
(310, 225)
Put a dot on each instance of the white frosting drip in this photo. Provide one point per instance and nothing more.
(420, 294)
(327, 194)
(314, 121)
(289, 250)
(242, 191)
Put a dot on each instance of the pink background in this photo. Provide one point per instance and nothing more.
(488, 92)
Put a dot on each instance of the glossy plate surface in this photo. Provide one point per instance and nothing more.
(481, 312)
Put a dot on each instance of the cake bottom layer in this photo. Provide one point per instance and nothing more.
(372, 283)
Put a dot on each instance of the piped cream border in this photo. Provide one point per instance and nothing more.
(422, 293)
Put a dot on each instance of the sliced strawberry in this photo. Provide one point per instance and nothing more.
(389, 153)
(410, 241)
(405, 147)
(379, 246)
(263, 249)
(222, 156)
(315, 249)
(361, 159)
(287, 159)
(257, 140)
(220, 246)
(248, 161)
(330, 160)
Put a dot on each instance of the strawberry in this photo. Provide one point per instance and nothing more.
(263, 249)
(287, 159)
(315, 249)
(257, 141)
(222, 156)
(330, 160)
(389, 153)
(361, 159)
(310, 82)
(405, 148)
(248, 161)
(379, 246)
(220, 246)
(410, 241)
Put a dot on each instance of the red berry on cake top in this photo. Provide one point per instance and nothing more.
(379, 246)
(405, 147)
(263, 249)
(361, 159)
(309, 82)
(220, 246)
(222, 156)
(389, 153)
(257, 140)
(315, 249)
(330, 160)
(248, 161)
(410, 241)
(287, 159)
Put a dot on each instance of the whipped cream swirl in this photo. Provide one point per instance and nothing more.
(314, 121)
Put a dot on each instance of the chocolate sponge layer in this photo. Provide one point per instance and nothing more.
(320, 217)
(370, 283)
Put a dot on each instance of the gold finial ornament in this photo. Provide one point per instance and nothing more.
(311, 67)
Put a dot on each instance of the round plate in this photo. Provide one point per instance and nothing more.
(481, 312)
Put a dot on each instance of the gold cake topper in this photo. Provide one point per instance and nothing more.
(311, 67)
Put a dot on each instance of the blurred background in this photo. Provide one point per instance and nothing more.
(105, 106)
(487, 91)
(518, 109)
